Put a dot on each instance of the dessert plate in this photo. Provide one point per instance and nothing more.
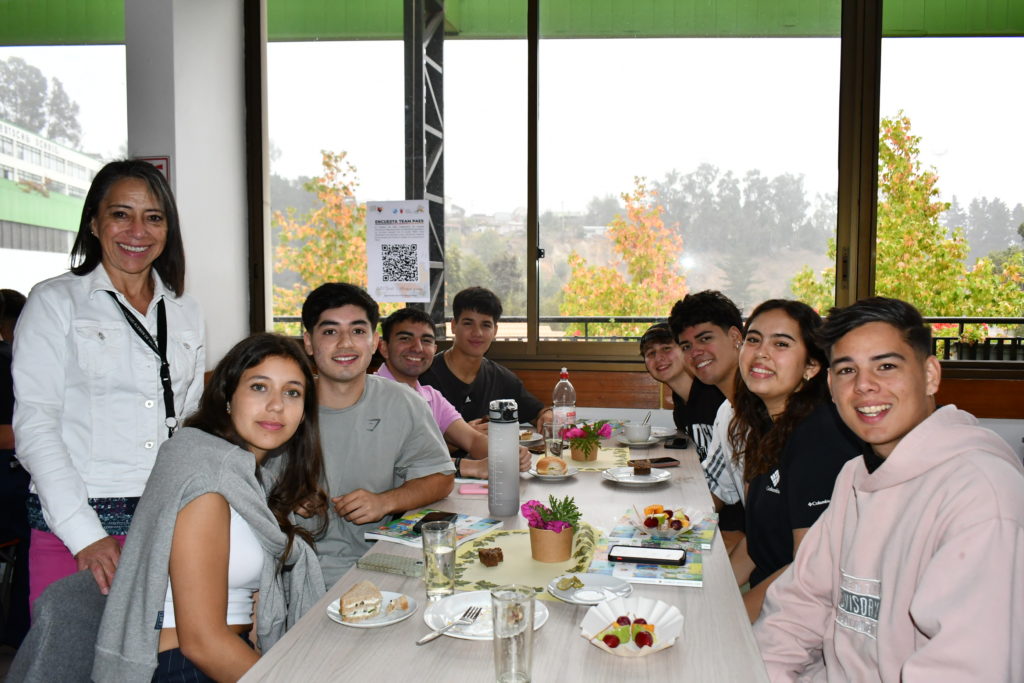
(667, 620)
(334, 612)
(596, 588)
(625, 476)
(651, 441)
(529, 437)
(569, 472)
(447, 610)
(662, 433)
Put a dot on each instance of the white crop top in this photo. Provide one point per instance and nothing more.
(245, 563)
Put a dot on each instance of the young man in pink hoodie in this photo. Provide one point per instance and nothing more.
(914, 573)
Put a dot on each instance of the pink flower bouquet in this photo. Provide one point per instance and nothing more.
(584, 437)
(562, 514)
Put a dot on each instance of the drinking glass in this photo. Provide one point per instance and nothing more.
(552, 432)
(439, 558)
(512, 612)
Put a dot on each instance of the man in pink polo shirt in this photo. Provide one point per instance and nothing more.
(407, 344)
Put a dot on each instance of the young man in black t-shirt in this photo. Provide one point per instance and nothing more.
(469, 380)
(694, 404)
(707, 327)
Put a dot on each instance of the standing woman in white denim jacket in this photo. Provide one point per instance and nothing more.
(99, 381)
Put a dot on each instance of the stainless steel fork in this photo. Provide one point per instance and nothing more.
(467, 618)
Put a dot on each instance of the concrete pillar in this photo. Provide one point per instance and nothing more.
(186, 100)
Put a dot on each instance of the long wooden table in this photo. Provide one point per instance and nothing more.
(716, 645)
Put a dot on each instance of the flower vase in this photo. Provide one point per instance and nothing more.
(551, 546)
(578, 453)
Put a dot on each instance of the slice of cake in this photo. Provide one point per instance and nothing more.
(490, 557)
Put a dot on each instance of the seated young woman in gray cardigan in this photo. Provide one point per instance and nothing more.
(209, 531)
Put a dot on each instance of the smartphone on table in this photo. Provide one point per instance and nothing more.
(436, 516)
(679, 443)
(645, 555)
(663, 462)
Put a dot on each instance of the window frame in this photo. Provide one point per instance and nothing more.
(859, 90)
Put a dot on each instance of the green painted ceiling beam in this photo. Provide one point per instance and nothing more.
(72, 22)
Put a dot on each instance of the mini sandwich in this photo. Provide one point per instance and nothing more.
(551, 465)
(361, 602)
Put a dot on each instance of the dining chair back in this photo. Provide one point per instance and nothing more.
(60, 645)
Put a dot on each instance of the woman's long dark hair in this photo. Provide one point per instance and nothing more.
(87, 252)
(754, 436)
(298, 480)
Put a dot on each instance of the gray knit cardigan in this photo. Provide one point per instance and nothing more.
(189, 465)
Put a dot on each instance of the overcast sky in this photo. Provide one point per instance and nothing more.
(610, 110)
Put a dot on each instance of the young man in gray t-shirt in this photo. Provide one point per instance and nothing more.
(383, 452)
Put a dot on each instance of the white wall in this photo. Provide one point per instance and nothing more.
(186, 100)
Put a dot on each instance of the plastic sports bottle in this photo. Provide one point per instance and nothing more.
(564, 400)
(503, 458)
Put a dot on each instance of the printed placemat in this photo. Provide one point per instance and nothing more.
(519, 566)
(607, 458)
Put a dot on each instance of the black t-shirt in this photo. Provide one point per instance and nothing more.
(6, 385)
(697, 416)
(492, 382)
(793, 495)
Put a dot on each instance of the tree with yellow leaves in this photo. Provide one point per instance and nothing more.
(644, 280)
(327, 245)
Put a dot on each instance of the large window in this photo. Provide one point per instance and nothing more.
(63, 115)
(670, 165)
(336, 137)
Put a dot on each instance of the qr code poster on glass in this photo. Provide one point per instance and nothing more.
(397, 249)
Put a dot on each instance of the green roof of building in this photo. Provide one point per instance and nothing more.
(74, 22)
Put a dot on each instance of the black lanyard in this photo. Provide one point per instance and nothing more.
(160, 349)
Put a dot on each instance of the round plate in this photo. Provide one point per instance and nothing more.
(451, 608)
(596, 588)
(334, 612)
(534, 438)
(569, 472)
(625, 476)
(651, 441)
(662, 433)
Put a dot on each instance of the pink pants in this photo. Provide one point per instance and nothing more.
(49, 560)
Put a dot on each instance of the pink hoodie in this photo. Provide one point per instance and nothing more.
(914, 573)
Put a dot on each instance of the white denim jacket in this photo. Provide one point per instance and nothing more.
(89, 411)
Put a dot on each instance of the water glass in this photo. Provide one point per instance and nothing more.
(512, 612)
(552, 432)
(439, 558)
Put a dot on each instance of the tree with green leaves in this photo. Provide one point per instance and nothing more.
(644, 278)
(28, 101)
(917, 258)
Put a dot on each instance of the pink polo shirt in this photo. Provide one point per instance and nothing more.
(444, 412)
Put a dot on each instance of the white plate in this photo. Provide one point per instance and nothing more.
(451, 608)
(334, 612)
(667, 620)
(596, 588)
(662, 432)
(569, 472)
(651, 441)
(625, 476)
(534, 438)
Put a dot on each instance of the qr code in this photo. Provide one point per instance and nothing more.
(400, 262)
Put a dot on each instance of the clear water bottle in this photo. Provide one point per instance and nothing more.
(564, 400)
(503, 458)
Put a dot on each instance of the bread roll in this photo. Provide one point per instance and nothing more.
(551, 465)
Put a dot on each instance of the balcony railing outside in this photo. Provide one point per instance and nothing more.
(1008, 346)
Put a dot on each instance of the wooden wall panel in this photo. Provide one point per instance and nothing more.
(993, 398)
(996, 398)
